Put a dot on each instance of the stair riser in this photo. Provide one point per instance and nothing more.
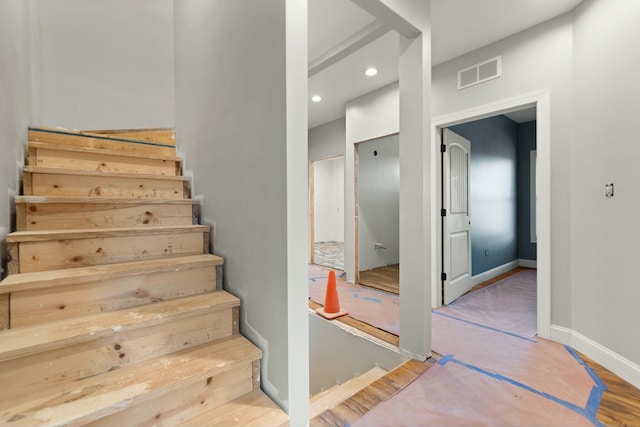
(87, 161)
(100, 143)
(188, 402)
(163, 136)
(75, 216)
(57, 254)
(43, 184)
(58, 303)
(30, 374)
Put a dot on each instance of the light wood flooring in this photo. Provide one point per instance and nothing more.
(386, 278)
(620, 405)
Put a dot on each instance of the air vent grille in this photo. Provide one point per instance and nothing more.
(478, 73)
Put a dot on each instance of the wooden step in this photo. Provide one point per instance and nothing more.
(103, 160)
(41, 356)
(341, 392)
(49, 296)
(162, 135)
(162, 391)
(38, 181)
(73, 213)
(52, 250)
(254, 409)
(70, 138)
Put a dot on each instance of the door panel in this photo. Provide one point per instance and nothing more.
(456, 224)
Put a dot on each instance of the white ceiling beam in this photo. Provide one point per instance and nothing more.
(384, 11)
(357, 41)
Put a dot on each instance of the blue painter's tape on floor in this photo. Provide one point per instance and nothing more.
(598, 389)
(585, 412)
(372, 299)
(484, 326)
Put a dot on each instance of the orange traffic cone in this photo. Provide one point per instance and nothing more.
(331, 308)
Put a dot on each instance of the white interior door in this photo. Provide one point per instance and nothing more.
(456, 222)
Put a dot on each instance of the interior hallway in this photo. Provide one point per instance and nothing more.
(619, 404)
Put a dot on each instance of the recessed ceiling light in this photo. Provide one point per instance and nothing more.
(316, 98)
(371, 71)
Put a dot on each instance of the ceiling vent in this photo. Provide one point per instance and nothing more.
(487, 70)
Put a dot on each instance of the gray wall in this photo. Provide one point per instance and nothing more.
(14, 108)
(233, 126)
(604, 232)
(492, 191)
(379, 202)
(535, 59)
(327, 140)
(104, 64)
(526, 143)
(337, 355)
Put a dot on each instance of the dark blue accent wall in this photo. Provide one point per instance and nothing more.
(526, 143)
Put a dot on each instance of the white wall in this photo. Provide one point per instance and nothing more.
(536, 59)
(104, 64)
(604, 235)
(244, 139)
(328, 191)
(327, 140)
(14, 107)
(379, 202)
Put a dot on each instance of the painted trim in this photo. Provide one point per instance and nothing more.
(528, 263)
(541, 100)
(619, 365)
(494, 272)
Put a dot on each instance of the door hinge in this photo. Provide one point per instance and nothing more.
(443, 148)
(443, 212)
(443, 276)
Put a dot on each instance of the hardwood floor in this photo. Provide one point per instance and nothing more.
(386, 279)
(620, 405)
(365, 327)
(360, 403)
(497, 279)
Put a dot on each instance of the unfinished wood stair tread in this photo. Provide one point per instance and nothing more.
(77, 138)
(30, 340)
(341, 392)
(254, 409)
(98, 201)
(75, 172)
(92, 399)
(45, 235)
(103, 151)
(80, 275)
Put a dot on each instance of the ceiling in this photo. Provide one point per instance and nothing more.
(344, 40)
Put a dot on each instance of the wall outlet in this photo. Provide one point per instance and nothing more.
(486, 252)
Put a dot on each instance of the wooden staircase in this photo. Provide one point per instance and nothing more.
(110, 315)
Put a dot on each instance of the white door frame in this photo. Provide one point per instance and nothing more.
(540, 100)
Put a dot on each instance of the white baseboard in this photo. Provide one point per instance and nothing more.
(529, 263)
(494, 272)
(611, 360)
(561, 334)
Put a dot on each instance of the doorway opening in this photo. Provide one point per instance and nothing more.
(377, 219)
(539, 208)
(326, 199)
